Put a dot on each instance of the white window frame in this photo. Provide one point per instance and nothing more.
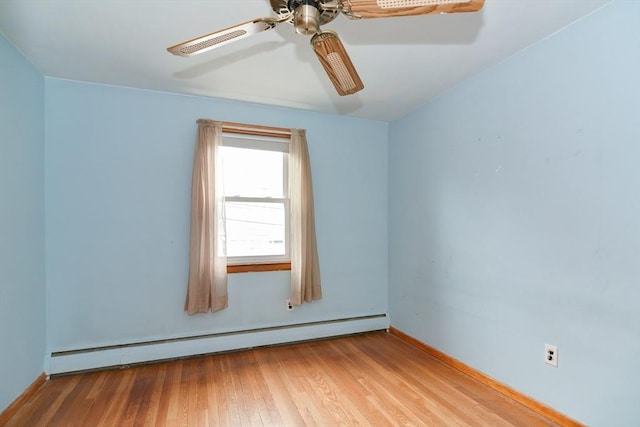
(264, 143)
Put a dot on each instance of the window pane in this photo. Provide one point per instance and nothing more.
(252, 173)
(255, 229)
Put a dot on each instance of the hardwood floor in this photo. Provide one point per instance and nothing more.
(372, 379)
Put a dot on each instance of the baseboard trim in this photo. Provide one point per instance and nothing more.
(523, 399)
(11, 410)
(63, 362)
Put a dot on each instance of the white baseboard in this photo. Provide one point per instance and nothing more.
(102, 357)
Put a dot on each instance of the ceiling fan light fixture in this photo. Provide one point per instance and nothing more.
(308, 15)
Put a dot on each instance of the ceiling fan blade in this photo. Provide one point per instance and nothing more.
(389, 8)
(220, 38)
(336, 63)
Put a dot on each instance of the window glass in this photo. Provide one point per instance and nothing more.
(256, 203)
(253, 173)
(255, 229)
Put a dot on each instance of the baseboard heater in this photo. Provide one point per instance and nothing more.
(62, 362)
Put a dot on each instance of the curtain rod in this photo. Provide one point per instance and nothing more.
(246, 129)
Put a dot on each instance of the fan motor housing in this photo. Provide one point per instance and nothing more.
(285, 7)
(306, 19)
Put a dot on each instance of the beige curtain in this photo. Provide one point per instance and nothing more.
(207, 289)
(305, 267)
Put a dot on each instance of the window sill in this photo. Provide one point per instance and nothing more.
(252, 268)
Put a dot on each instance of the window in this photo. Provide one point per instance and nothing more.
(256, 192)
(259, 207)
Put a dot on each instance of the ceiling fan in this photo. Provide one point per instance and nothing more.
(308, 15)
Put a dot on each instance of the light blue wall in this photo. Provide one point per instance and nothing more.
(118, 176)
(22, 286)
(515, 219)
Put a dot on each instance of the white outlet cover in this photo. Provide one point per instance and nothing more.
(551, 355)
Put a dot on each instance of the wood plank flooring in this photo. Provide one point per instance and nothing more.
(373, 379)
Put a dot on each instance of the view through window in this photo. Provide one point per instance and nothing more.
(256, 199)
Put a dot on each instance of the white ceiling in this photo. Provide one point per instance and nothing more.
(403, 62)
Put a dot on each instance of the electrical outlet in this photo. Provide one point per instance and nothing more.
(290, 306)
(551, 355)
